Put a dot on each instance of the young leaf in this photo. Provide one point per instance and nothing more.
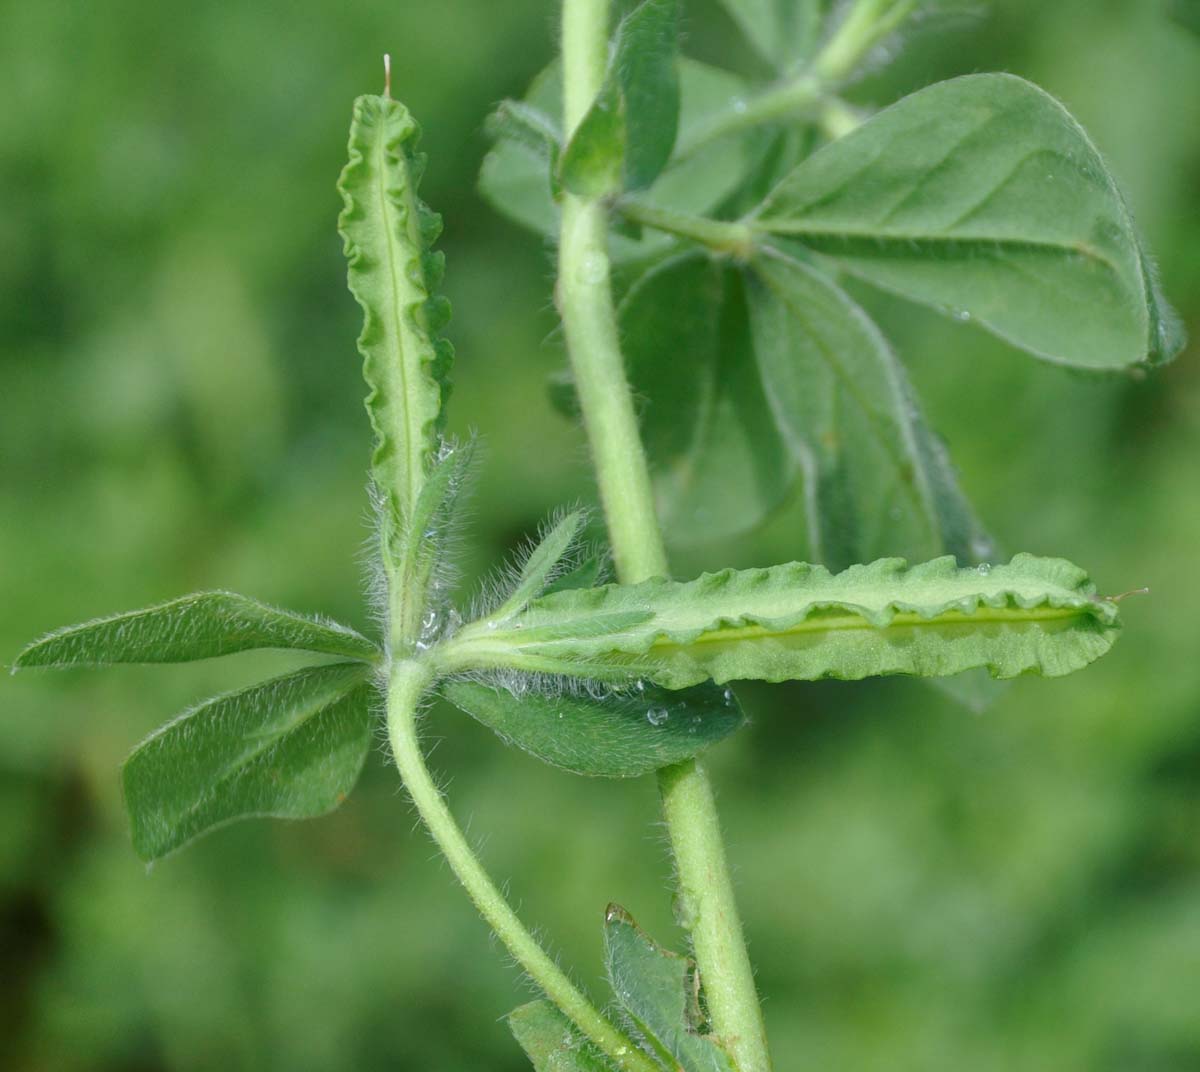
(877, 480)
(542, 564)
(656, 989)
(199, 626)
(516, 181)
(800, 622)
(719, 463)
(552, 1042)
(388, 233)
(626, 137)
(290, 748)
(982, 197)
(621, 735)
(782, 32)
(589, 573)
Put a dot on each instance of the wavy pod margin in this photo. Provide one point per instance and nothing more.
(393, 273)
(800, 622)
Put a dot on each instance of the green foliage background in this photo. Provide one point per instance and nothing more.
(181, 408)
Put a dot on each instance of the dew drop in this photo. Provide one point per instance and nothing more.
(640, 685)
(656, 716)
(962, 315)
(491, 625)
(983, 569)
(728, 694)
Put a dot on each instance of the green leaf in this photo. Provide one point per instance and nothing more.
(593, 163)
(552, 1042)
(199, 626)
(533, 130)
(878, 483)
(656, 989)
(516, 181)
(290, 748)
(393, 274)
(800, 622)
(626, 137)
(543, 564)
(719, 463)
(983, 198)
(781, 31)
(620, 735)
(589, 573)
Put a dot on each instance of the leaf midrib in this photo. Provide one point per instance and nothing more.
(887, 237)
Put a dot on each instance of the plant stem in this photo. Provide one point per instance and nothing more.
(589, 321)
(407, 682)
(864, 26)
(720, 236)
(789, 99)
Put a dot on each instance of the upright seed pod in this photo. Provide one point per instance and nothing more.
(393, 273)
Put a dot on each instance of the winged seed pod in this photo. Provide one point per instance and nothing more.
(800, 622)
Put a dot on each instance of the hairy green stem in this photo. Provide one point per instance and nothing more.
(589, 321)
(721, 236)
(407, 682)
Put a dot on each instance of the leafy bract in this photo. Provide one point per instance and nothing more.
(393, 274)
(626, 137)
(422, 546)
(877, 480)
(552, 1042)
(199, 626)
(718, 461)
(589, 573)
(618, 735)
(800, 622)
(781, 31)
(290, 748)
(543, 563)
(516, 179)
(982, 197)
(657, 990)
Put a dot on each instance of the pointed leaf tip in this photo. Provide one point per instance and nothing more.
(981, 196)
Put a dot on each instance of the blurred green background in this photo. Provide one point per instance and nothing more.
(180, 408)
